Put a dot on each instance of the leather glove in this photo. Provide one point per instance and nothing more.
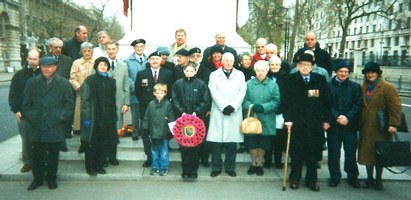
(228, 110)
(87, 123)
(258, 108)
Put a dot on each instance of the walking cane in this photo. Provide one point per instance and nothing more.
(286, 158)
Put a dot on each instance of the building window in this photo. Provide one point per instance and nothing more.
(389, 25)
(359, 44)
(355, 31)
(407, 39)
(399, 24)
(374, 27)
(400, 7)
(372, 43)
(366, 29)
(366, 43)
(397, 41)
(388, 42)
(353, 44)
(408, 25)
(3, 25)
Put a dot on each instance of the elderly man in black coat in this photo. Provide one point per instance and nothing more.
(307, 114)
(47, 105)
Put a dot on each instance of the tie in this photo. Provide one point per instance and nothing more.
(112, 65)
(141, 60)
(155, 76)
(306, 80)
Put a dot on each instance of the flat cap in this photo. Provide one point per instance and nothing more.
(47, 60)
(138, 41)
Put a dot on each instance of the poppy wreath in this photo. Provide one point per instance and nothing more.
(189, 130)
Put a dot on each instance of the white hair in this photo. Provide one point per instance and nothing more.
(228, 56)
(275, 59)
(271, 46)
(261, 64)
(261, 41)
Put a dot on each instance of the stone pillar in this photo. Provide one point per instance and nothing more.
(357, 67)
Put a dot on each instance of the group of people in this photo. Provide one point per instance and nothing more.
(88, 91)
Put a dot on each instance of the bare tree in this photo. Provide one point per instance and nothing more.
(346, 11)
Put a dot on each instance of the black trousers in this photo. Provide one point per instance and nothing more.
(189, 158)
(278, 145)
(297, 167)
(145, 136)
(230, 156)
(45, 161)
(97, 150)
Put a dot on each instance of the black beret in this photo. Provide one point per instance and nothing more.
(341, 64)
(99, 60)
(155, 53)
(306, 57)
(194, 50)
(138, 41)
(182, 52)
(47, 61)
(216, 48)
(372, 67)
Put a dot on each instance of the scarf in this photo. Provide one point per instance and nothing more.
(370, 88)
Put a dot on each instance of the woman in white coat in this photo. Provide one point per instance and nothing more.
(227, 87)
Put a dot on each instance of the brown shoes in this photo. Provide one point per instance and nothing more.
(25, 168)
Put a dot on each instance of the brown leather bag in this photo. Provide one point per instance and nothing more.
(251, 125)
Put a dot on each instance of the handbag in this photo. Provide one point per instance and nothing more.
(251, 125)
(393, 154)
(383, 122)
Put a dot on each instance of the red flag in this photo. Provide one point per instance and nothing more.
(125, 7)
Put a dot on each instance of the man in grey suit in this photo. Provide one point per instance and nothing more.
(119, 72)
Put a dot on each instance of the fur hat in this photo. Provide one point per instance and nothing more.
(372, 67)
(99, 60)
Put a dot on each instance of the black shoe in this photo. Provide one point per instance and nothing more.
(214, 174)
(101, 171)
(147, 163)
(241, 149)
(92, 172)
(251, 170)
(267, 165)
(313, 186)
(231, 173)
(378, 185)
(205, 163)
(194, 175)
(369, 183)
(278, 165)
(333, 183)
(76, 132)
(52, 185)
(318, 165)
(294, 184)
(113, 161)
(259, 171)
(34, 185)
(81, 149)
(63, 148)
(184, 174)
(134, 138)
(354, 183)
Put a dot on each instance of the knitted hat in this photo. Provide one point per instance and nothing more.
(341, 64)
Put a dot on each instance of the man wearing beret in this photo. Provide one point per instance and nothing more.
(346, 103)
(182, 61)
(47, 105)
(164, 52)
(144, 84)
(135, 62)
(203, 72)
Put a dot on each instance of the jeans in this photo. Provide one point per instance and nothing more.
(159, 155)
(349, 141)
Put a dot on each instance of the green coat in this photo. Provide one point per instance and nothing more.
(157, 117)
(267, 94)
(384, 97)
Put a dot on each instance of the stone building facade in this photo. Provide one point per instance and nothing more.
(9, 35)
